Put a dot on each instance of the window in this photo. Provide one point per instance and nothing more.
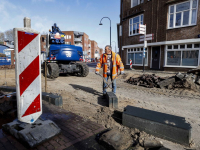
(186, 55)
(134, 25)
(68, 43)
(120, 30)
(42, 39)
(69, 36)
(136, 2)
(183, 14)
(136, 56)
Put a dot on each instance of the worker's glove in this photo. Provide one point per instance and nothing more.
(122, 72)
(97, 72)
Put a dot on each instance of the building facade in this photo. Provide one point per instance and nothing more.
(95, 54)
(175, 25)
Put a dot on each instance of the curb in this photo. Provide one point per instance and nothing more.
(48, 97)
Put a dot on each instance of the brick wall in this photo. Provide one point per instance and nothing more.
(93, 48)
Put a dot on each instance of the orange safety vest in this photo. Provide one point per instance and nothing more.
(116, 64)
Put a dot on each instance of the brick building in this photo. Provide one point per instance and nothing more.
(89, 48)
(176, 28)
(94, 50)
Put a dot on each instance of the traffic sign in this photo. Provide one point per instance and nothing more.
(28, 74)
(142, 26)
(147, 39)
(147, 35)
(141, 32)
(142, 29)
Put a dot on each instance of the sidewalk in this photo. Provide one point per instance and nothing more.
(75, 129)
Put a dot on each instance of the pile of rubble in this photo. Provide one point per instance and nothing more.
(146, 80)
(8, 104)
(189, 80)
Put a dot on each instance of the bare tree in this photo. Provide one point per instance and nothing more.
(2, 37)
(9, 35)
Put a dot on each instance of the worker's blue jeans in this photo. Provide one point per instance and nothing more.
(114, 86)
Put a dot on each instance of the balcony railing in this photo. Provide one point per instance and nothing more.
(78, 45)
(77, 39)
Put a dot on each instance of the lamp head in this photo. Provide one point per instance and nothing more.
(100, 24)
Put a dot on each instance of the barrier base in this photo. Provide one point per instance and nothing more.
(32, 134)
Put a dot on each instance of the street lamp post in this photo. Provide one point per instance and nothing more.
(115, 46)
(110, 27)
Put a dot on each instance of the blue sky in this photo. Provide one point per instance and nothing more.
(70, 15)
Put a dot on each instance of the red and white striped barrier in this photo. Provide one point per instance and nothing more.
(28, 74)
(131, 64)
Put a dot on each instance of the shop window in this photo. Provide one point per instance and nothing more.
(174, 58)
(175, 46)
(190, 58)
(182, 46)
(189, 45)
(136, 57)
(169, 47)
(185, 55)
(196, 45)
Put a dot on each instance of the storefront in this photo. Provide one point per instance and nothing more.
(168, 55)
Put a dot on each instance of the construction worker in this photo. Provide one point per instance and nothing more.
(111, 62)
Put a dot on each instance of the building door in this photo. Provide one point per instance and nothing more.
(156, 57)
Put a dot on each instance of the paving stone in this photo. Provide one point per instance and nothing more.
(52, 98)
(112, 100)
(115, 140)
(50, 147)
(41, 147)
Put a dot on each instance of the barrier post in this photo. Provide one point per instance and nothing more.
(131, 64)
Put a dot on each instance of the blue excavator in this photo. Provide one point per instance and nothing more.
(61, 57)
